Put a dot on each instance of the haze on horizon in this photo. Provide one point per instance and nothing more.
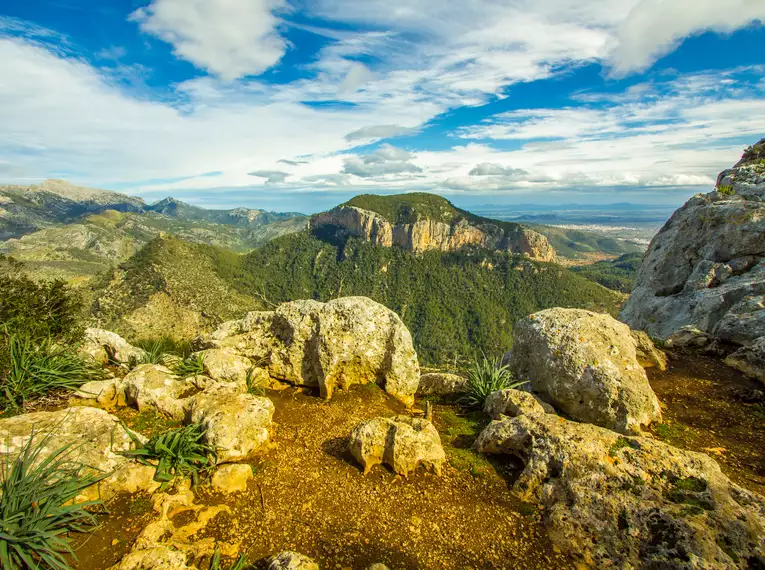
(299, 106)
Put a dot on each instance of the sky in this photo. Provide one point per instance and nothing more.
(296, 105)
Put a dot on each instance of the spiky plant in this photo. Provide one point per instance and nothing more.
(178, 453)
(37, 511)
(239, 564)
(191, 366)
(486, 375)
(34, 368)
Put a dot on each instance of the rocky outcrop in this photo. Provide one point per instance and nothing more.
(647, 354)
(232, 478)
(706, 267)
(105, 346)
(512, 403)
(95, 439)
(426, 234)
(238, 425)
(289, 560)
(585, 364)
(350, 340)
(403, 443)
(630, 502)
(151, 387)
(750, 360)
(441, 384)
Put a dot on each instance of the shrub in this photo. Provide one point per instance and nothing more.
(182, 452)
(36, 509)
(40, 310)
(726, 189)
(31, 369)
(191, 366)
(159, 349)
(484, 377)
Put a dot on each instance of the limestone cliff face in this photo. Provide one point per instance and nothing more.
(428, 234)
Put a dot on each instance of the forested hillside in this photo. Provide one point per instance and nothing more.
(455, 304)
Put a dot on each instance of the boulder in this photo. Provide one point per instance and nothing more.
(706, 267)
(101, 393)
(155, 388)
(441, 384)
(511, 403)
(237, 424)
(585, 364)
(402, 442)
(629, 502)
(688, 337)
(648, 355)
(232, 478)
(750, 360)
(350, 340)
(289, 560)
(95, 437)
(225, 365)
(105, 346)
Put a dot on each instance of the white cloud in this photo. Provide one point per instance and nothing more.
(378, 132)
(230, 38)
(271, 176)
(384, 161)
(653, 28)
(493, 169)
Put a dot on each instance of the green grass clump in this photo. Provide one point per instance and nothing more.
(484, 377)
(178, 453)
(239, 564)
(31, 369)
(157, 350)
(726, 189)
(620, 443)
(190, 366)
(36, 509)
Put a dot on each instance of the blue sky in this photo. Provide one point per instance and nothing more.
(297, 105)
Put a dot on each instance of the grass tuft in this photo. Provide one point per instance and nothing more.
(190, 366)
(484, 377)
(36, 509)
(179, 453)
(726, 189)
(31, 369)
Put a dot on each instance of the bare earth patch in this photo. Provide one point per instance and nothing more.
(309, 495)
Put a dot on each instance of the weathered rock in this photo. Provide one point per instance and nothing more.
(750, 360)
(629, 502)
(104, 393)
(350, 340)
(442, 384)
(378, 566)
(237, 424)
(706, 261)
(232, 478)
(105, 346)
(688, 337)
(155, 388)
(95, 438)
(156, 558)
(225, 365)
(289, 560)
(511, 403)
(648, 355)
(585, 365)
(402, 442)
(427, 234)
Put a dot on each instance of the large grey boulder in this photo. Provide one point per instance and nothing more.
(95, 439)
(442, 384)
(105, 346)
(750, 360)
(705, 270)
(630, 502)
(152, 387)
(350, 340)
(402, 442)
(584, 364)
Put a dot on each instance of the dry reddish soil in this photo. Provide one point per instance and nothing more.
(309, 495)
(710, 407)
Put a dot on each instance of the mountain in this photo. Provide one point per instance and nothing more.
(455, 303)
(420, 222)
(75, 233)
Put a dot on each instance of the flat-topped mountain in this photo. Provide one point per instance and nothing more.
(420, 222)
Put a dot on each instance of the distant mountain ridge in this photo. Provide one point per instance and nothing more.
(420, 222)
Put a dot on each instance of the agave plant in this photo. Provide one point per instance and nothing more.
(35, 368)
(485, 376)
(190, 366)
(182, 452)
(36, 509)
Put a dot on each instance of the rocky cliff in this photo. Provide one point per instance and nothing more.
(705, 269)
(421, 233)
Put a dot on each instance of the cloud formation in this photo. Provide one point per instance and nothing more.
(384, 161)
(229, 38)
(493, 169)
(378, 132)
(271, 176)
